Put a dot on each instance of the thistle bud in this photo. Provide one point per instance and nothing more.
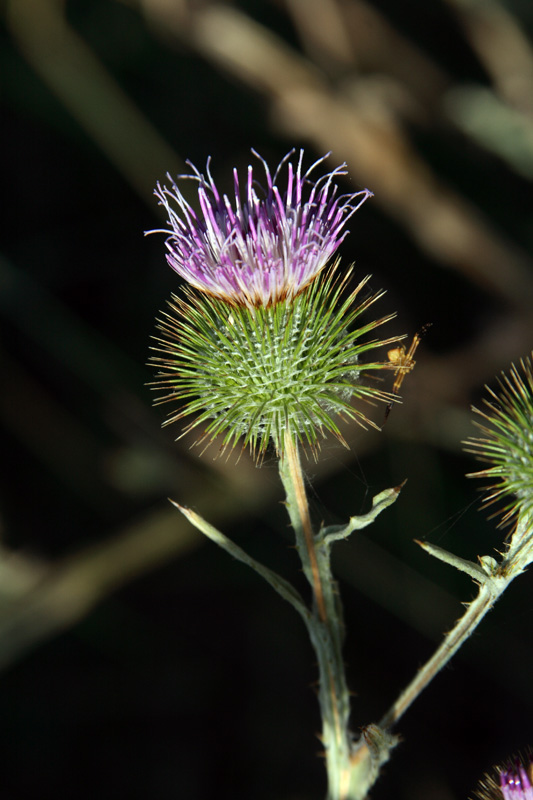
(506, 442)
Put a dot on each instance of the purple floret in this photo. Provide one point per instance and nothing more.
(515, 783)
(264, 247)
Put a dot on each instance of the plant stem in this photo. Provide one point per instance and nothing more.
(298, 507)
(325, 627)
(487, 596)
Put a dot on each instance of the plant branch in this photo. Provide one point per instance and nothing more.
(493, 578)
(281, 586)
(380, 502)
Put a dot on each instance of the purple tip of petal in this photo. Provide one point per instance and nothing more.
(515, 783)
(266, 245)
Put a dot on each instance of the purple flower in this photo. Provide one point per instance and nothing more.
(515, 783)
(265, 246)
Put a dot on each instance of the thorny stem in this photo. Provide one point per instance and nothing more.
(302, 521)
(325, 627)
(493, 578)
(487, 596)
(489, 591)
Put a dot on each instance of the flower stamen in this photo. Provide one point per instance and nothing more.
(257, 250)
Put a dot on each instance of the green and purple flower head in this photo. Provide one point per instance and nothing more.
(512, 781)
(265, 246)
(265, 338)
(515, 783)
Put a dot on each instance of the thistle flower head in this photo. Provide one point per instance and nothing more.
(515, 783)
(259, 345)
(507, 442)
(267, 244)
(512, 781)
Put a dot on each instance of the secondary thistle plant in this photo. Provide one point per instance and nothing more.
(269, 346)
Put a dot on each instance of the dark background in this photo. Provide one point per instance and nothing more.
(139, 660)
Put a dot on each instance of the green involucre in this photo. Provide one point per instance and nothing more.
(507, 441)
(252, 372)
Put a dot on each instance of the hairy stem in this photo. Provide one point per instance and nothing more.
(487, 596)
(298, 508)
(325, 627)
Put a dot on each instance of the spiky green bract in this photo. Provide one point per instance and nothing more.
(249, 373)
(507, 441)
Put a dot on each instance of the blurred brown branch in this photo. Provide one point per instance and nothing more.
(79, 79)
(503, 48)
